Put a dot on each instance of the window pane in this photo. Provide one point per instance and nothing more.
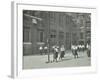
(41, 36)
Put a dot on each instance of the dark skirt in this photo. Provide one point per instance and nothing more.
(76, 52)
(62, 54)
(55, 55)
(88, 53)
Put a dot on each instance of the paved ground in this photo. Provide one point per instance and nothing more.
(39, 61)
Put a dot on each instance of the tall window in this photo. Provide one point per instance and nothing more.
(60, 19)
(74, 38)
(53, 37)
(26, 35)
(81, 35)
(61, 35)
(61, 38)
(40, 36)
(68, 44)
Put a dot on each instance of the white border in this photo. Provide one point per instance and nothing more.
(17, 52)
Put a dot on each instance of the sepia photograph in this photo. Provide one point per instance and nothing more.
(55, 39)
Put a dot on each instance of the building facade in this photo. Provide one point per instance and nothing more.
(41, 28)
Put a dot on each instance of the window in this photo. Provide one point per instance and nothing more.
(26, 35)
(74, 38)
(81, 23)
(53, 37)
(81, 35)
(68, 43)
(61, 35)
(53, 34)
(61, 38)
(51, 18)
(40, 36)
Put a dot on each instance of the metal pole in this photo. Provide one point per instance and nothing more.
(49, 37)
